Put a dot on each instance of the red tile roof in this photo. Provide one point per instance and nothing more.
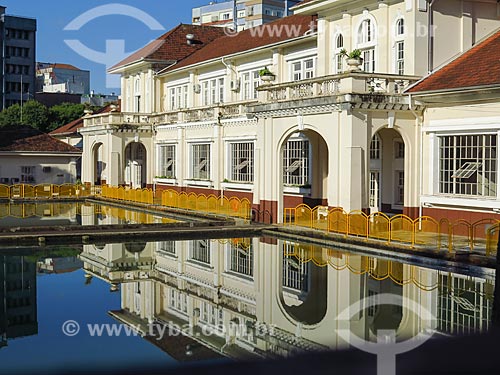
(73, 126)
(480, 66)
(56, 66)
(260, 36)
(172, 46)
(28, 139)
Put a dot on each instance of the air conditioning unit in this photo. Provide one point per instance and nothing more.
(196, 88)
(235, 85)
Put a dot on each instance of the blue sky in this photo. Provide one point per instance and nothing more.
(53, 16)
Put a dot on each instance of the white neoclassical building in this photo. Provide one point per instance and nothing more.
(198, 117)
(274, 298)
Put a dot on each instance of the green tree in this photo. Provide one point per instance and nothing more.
(11, 115)
(35, 114)
(63, 114)
(32, 113)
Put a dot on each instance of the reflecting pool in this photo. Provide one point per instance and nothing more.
(236, 298)
(78, 213)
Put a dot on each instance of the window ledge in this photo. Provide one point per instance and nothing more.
(169, 181)
(205, 183)
(447, 200)
(237, 186)
(297, 190)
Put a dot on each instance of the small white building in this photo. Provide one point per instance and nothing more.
(31, 157)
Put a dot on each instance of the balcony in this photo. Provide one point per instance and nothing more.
(364, 90)
(212, 113)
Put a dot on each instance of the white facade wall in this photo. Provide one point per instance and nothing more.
(43, 168)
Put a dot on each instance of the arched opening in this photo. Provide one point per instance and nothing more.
(387, 172)
(304, 170)
(98, 165)
(383, 317)
(135, 165)
(304, 285)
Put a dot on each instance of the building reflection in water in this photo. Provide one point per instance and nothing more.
(66, 213)
(272, 298)
(18, 308)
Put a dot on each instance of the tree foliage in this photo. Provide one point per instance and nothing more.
(37, 115)
(63, 114)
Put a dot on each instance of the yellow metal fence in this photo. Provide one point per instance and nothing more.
(377, 269)
(230, 206)
(145, 196)
(425, 231)
(44, 191)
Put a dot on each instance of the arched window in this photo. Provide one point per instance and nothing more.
(367, 36)
(399, 47)
(365, 32)
(340, 41)
(400, 27)
(137, 95)
(339, 58)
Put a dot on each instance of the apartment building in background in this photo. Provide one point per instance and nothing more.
(62, 78)
(249, 13)
(17, 71)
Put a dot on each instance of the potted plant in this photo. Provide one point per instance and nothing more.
(266, 75)
(353, 58)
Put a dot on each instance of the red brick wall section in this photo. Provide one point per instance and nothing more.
(453, 215)
(412, 212)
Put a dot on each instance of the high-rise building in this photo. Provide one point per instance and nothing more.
(249, 13)
(17, 71)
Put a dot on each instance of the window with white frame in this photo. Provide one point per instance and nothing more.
(302, 69)
(242, 161)
(178, 97)
(366, 43)
(375, 147)
(295, 273)
(468, 165)
(339, 57)
(399, 150)
(213, 91)
(199, 251)
(400, 188)
(296, 162)
(166, 167)
(211, 315)
(178, 301)
(399, 47)
(249, 83)
(166, 248)
(137, 95)
(374, 188)
(241, 259)
(200, 166)
(28, 174)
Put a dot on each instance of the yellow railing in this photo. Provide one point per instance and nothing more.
(145, 196)
(222, 205)
(377, 269)
(424, 231)
(200, 202)
(47, 191)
